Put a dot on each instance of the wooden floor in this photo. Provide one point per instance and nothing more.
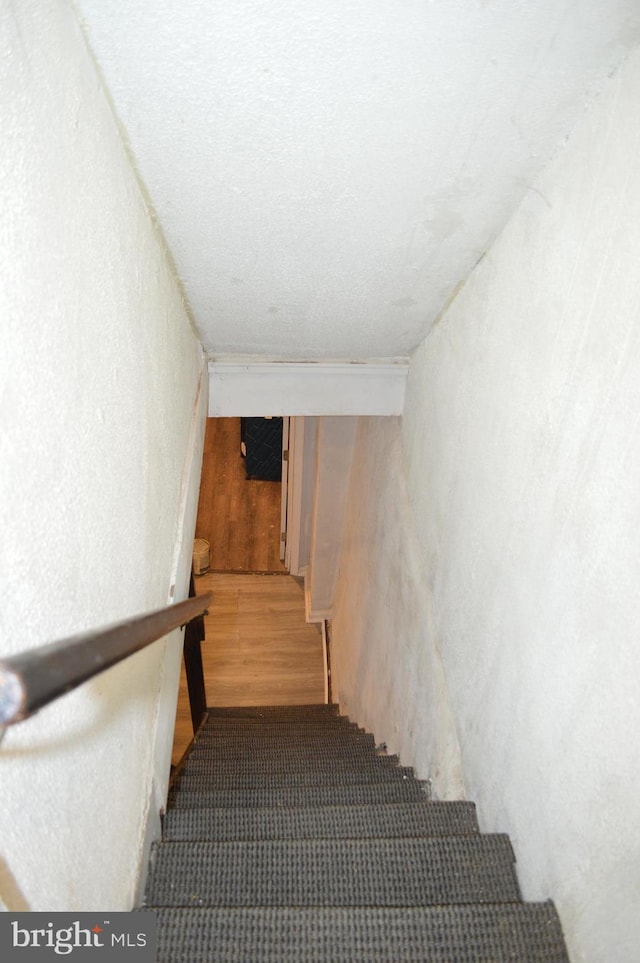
(239, 518)
(259, 650)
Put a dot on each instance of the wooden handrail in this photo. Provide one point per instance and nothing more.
(32, 679)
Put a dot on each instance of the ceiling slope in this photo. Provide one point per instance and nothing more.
(327, 172)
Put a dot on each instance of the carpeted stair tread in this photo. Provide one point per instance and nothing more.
(357, 872)
(264, 744)
(330, 724)
(268, 736)
(278, 719)
(272, 748)
(209, 776)
(323, 822)
(290, 837)
(343, 758)
(260, 712)
(358, 794)
(495, 933)
(274, 720)
(275, 748)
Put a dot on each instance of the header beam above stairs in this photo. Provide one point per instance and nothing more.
(253, 387)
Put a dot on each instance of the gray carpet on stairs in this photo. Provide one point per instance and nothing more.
(301, 762)
(322, 822)
(243, 735)
(202, 775)
(528, 933)
(317, 872)
(289, 837)
(296, 713)
(358, 794)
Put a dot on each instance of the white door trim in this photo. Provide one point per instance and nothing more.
(284, 490)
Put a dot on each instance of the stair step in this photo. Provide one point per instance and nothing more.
(289, 837)
(209, 776)
(279, 726)
(341, 758)
(285, 736)
(358, 794)
(337, 822)
(526, 932)
(276, 746)
(260, 712)
(370, 872)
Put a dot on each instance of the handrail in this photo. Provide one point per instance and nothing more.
(33, 679)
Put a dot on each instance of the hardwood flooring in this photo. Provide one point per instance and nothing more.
(258, 650)
(239, 518)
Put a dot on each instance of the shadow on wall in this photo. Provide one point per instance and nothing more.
(11, 897)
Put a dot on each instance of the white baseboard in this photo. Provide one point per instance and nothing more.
(314, 615)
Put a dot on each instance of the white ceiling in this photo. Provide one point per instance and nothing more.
(325, 172)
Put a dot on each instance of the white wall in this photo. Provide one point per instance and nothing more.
(100, 430)
(386, 668)
(303, 433)
(523, 451)
(334, 453)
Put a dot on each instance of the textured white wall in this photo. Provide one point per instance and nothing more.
(334, 453)
(99, 445)
(327, 171)
(523, 449)
(385, 659)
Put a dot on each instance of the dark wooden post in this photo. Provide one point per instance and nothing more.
(193, 637)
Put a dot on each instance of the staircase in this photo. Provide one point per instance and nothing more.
(290, 839)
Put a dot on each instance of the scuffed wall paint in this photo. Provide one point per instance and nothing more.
(386, 666)
(99, 371)
(523, 449)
